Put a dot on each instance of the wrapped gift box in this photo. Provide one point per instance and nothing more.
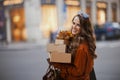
(59, 41)
(57, 51)
(60, 57)
(56, 47)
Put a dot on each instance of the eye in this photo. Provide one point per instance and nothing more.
(73, 22)
(78, 25)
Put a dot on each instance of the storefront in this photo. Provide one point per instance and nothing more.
(88, 8)
(15, 10)
(18, 24)
(114, 12)
(54, 14)
(72, 7)
(101, 12)
(49, 19)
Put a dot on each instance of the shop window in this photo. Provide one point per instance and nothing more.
(12, 2)
(71, 12)
(48, 1)
(18, 24)
(72, 2)
(101, 12)
(72, 7)
(101, 16)
(49, 20)
(88, 8)
(114, 12)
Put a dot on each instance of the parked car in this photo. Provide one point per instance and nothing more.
(107, 31)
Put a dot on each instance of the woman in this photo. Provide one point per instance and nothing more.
(82, 48)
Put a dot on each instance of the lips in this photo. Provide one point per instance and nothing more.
(74, 31)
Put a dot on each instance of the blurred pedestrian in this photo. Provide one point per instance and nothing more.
(53, 36)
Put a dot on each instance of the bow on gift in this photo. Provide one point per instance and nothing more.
(65, 35)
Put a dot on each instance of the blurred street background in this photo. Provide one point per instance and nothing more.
(27, 26)
(28, 61)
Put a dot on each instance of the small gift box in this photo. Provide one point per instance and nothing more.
(59, 41)
(56, 47)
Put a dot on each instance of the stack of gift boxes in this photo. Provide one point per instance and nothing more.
(58, 53)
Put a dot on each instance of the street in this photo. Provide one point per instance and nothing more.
(23, 64)
(30, 63)
(107, 65)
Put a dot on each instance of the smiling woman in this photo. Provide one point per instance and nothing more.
(82, 48)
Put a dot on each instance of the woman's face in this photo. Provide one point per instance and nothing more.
(76, 26)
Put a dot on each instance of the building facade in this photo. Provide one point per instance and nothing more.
(34, 20)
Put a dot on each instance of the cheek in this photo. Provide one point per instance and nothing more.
(75, 30)
(78, 31)
(72, 26)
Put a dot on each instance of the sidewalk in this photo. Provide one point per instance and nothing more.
(21, 45)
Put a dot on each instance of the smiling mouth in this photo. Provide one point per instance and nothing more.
(74, 31)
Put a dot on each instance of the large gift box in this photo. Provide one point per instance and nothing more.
(59, 41)
(58, 53)
(60, 57)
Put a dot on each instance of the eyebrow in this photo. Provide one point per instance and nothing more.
(77, 23)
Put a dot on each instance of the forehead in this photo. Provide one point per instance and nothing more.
(76, 19)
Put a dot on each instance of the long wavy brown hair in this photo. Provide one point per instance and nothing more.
(86, 34)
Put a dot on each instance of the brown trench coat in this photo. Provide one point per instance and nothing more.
(81, 68)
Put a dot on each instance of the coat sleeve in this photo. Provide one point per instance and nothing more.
(82, 65)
